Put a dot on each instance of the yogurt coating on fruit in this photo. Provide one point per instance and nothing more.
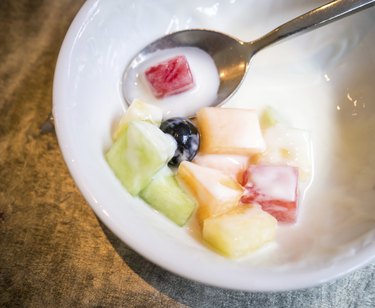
(170, 77)
(205, 77)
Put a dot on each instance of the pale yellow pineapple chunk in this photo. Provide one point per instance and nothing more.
(229, 131)
(138, 110)
(268, 118)
(214, 191)
(240, 231)
(288, 146)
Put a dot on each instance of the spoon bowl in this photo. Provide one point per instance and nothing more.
(232, 56)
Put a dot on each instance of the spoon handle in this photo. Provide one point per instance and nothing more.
(318, 17)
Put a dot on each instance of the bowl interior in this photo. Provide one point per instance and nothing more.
(321, 81)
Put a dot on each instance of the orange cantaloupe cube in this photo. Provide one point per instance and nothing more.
(214, 191)
(232, 165)
(229, 131)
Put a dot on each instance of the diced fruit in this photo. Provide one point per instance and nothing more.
(287, 146)
(268, 118)
(274, 188)
(215, 192)
(187, 137)
(170, 77)
(165, 195)
(138, 153)
(232, 165)
(139, 110)
(240, 231)
(229, 131)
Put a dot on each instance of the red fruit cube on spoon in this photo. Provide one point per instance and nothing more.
(170, 77)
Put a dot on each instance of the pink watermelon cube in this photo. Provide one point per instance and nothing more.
(274, 188)
(170, 77)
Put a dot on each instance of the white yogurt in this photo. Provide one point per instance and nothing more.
(205, 77)
(319, 82)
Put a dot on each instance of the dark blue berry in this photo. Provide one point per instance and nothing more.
(187, 137)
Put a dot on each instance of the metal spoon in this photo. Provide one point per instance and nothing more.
(232, 56)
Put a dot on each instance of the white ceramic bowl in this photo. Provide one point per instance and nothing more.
(321, 81)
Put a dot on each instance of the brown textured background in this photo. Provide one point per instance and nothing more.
(53, 250)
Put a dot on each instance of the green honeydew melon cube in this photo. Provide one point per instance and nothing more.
(165, 195)
(139, 153)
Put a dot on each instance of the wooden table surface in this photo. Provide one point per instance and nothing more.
(54, 252)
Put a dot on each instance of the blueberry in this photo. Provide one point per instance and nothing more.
(187, 137)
